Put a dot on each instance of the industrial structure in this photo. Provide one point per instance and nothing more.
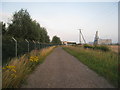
(105, 41)
(97, 40)
(81, 36)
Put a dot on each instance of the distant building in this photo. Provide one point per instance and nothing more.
(68, 43)
(64, 42)
(105, 41)
(97, 40)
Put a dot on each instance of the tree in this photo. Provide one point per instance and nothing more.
(56, 40)
(47, 39)
(3, 28)
(23, 27)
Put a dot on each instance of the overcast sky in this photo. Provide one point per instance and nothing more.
(65, 18)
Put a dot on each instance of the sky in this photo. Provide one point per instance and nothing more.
(65, 18)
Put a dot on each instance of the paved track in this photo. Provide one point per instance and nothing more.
(61, 70)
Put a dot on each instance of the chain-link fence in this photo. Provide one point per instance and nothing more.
(11, 49)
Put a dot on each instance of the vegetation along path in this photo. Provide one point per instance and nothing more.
(61, 70)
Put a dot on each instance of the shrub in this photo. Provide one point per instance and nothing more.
(102, 47)
(88, 46)
(97, 47)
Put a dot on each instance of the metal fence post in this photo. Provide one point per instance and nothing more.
(34, 43)
(39, 45)
(28, 44)
(35, 46)
(15, 46)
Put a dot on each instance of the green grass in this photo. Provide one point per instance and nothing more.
(104, 63)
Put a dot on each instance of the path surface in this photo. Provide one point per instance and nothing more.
(61, 70)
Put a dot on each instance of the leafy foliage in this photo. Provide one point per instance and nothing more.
(24, 27)
(88, 46)
(3, 28)
(102, 47)
(97, 47)
(56, 40)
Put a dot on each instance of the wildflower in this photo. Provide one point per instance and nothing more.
(31, 59)
(3, 68)
(34, 59)
(10, 67)
(13, 70)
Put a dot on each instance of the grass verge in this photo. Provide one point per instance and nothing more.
(18, 69)
(104, 63)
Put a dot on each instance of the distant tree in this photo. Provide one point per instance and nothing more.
(47, 39)
(56, 40)
(43, 36)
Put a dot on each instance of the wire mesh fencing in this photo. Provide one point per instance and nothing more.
(11, 49)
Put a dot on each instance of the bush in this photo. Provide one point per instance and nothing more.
(88, 46)
(102, 47)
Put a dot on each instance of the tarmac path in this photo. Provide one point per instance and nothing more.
(62, 70)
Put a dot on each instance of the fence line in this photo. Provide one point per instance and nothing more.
(28, 44)
(13, 48)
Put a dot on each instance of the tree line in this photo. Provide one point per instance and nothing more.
(23, 27)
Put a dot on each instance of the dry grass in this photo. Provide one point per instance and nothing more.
(19, 68)
(114, 48)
